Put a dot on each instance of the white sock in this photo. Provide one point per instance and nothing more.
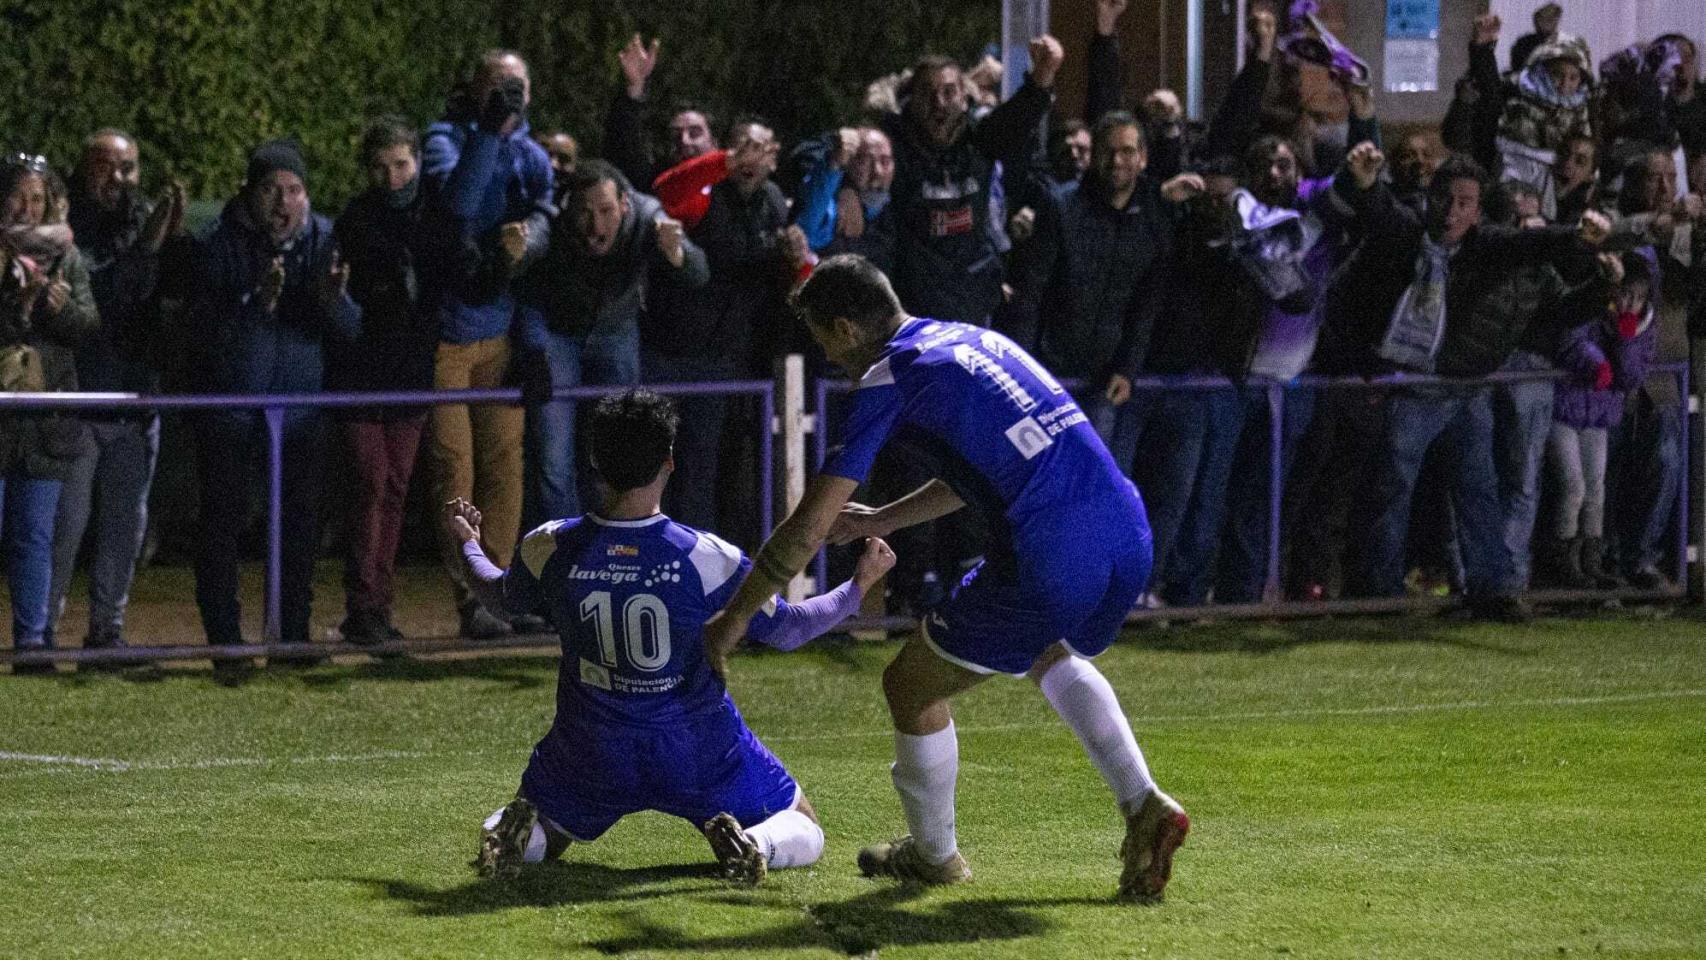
(789, 839)
(535, 850)
(924, 771)
(1085, 700)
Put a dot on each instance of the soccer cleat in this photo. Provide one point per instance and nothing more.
(503, 846)
(737, 856)
(1151, 835)
(903, 860)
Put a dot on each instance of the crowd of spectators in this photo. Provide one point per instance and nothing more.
(1553, 221)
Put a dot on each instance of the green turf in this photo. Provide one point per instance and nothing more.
(1382, 788)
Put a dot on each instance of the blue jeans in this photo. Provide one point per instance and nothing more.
(27, 508)
(1119, 427)
(612, 360)
(1241, 571)
(1175, 445)
(1413, 419)
(111, 477)
(1522, 415)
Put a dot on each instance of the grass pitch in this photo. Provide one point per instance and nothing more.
(1374, 788)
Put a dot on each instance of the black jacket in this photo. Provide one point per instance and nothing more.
(121, 354)
(946, 262)
(1479, 334)
(1091, 280)
(384, 249)
(732, 316)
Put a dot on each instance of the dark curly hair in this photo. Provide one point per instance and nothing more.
(630, 435)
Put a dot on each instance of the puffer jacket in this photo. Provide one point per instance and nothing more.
(1576, 403)
(1536, 115)
(42, 445)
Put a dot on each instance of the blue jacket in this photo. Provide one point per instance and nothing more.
(474, 183)
(239, 347)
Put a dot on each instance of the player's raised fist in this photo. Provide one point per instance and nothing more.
(876, 561)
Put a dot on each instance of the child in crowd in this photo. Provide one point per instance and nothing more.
(1606, 357)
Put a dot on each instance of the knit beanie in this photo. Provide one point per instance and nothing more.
(272, 156)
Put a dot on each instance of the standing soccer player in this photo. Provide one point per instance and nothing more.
(1070, 553)
(642, 722)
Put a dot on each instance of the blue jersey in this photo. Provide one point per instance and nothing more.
(630, 599)
(1003, 433)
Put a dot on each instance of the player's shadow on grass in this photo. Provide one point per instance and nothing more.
(555, 884)
(1259, 637)
(862, 925)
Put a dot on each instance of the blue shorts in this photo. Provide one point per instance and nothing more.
(584, 777)
(1004, 615)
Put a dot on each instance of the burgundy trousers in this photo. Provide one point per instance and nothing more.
(382, 452)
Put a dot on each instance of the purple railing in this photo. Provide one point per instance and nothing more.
(1273, 603)
(273, 407)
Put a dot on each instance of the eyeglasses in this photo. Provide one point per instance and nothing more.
(33, 162)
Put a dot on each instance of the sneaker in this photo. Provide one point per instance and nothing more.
(478, 623)
(737, 856)
(503, 846)
(529, 623)
(364, 628)
(903, 860)
(1151, 835)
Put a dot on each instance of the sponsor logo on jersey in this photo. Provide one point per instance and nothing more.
(595, 675)
(614, 573)
(621, 550)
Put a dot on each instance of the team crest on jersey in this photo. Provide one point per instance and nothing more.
(621, 550)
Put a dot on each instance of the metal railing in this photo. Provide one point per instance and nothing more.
(273, 407)
(793, 422)
(1273, 603)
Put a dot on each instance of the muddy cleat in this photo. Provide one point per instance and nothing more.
(903, 860)
(503, 846)
(737, 856)
(1151, 835)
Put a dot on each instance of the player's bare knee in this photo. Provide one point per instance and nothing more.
(1055, 653)
(804, 806)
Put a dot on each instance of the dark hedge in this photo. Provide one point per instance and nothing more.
(200, 81)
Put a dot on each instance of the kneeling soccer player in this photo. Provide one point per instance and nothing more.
(642, 722)
(1069, 554)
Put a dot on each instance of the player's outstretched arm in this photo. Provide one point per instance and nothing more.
(486, 580)
(858, 521)
(795, 624)
(793, 544)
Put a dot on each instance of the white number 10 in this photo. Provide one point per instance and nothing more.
(645, 629)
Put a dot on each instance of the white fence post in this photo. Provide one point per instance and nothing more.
(793, 425)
